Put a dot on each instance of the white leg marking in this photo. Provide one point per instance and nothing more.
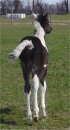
(35, 100)
(29, 113)
(43, 91)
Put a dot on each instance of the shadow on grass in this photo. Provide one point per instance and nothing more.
(5, 117)
(13, 116)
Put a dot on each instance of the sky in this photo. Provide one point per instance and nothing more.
(52, 1)
(46, 1)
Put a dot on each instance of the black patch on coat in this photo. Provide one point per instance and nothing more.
(32, 61)
(44, 22)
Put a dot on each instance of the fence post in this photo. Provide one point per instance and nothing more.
(50, 15)
(11, 15)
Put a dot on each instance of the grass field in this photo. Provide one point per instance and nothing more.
(13, 105)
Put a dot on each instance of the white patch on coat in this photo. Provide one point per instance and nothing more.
(40, 33)
(43, 91)
(17, 51)
(45, 65)
(29, 113)
(35, 92)
(34, 15)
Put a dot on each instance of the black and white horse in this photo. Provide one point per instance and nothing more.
(33, 54)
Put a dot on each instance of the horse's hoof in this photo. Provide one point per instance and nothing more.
(35, 119)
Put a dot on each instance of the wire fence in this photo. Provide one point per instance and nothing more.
(58, 20)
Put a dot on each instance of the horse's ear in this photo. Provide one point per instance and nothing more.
(46, 15)
(34, 15)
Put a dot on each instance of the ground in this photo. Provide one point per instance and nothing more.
(13, 105)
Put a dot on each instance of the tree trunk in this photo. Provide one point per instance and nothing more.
(66, 5)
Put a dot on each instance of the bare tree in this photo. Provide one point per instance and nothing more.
(33, 6)
(37, 6)
(6, 6)
(60, 8)
(66, 5)
(18, 7)
(3, 7)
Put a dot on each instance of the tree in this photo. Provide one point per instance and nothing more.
(60, 8)
(2, 7)
(37, 6)
(18, 7)
(33, 6)
(66, 5)
(6, 6)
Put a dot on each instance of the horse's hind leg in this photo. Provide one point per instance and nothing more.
(27, 90)
(35, 100)
(43, 91)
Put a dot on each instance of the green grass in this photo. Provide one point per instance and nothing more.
(23, 21)
(13, 105)
(61, 17)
